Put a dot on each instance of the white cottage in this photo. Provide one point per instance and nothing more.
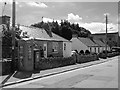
(79, 44)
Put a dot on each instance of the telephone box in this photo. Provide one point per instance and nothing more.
(29, 55)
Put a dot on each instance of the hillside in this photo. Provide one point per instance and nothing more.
(64, 29)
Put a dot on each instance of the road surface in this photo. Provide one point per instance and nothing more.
(104, 75)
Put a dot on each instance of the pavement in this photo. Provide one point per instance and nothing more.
(19, 77)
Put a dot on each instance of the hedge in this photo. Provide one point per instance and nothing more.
(49, 63)
(86, 58)
(112, 54)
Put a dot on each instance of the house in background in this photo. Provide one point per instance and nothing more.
(92, 47)
(37, 43)
(101, 45)
(79, 44)
(112, 38)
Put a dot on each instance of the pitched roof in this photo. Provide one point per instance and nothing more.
(39, 33)
(97, 41)
(87, 41)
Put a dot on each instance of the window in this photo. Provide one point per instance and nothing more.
(37, 56)
(99, 50)
(90, 49)
(21, 55)
(64, 46)
(95, 49)
(21, 49)
(55, 47)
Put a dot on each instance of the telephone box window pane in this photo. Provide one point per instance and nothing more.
(37, 56)
(29, 53)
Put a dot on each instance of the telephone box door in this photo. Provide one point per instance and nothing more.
(36, 58)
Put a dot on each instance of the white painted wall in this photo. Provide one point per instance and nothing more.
(96, 49)
(100, 49)
(108, 48)
(67, 49)
(78, 45)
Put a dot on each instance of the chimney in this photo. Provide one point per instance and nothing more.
(5, 20)
(74, 36)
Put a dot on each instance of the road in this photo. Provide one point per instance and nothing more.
(104, 75)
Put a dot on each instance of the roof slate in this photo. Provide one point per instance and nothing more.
(87, 41)
(100, 43)
(40, 33)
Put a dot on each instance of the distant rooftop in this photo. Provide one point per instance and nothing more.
(87, 41)
(100, 43)
(105, 33)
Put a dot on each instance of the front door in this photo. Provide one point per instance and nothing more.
(36, 58)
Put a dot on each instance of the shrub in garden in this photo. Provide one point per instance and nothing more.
(87, 58)
(96, 56)
(81, 52)
(87, 52)
(102, 55)
(55, 62)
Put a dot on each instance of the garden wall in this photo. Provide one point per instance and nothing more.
(5, 67)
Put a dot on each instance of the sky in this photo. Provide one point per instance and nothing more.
(90, 15)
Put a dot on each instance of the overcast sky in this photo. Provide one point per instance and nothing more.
(89, 15)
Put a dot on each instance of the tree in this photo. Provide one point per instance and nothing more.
(65, 29)
(7, 41)
(66, 32)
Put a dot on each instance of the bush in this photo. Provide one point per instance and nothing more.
(81, 52)
(54, 62)
(102, 55)
(87, 52)
(87, 58)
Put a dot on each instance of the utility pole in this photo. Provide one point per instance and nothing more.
(3, 9)
(106, 36)
(13, 36)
